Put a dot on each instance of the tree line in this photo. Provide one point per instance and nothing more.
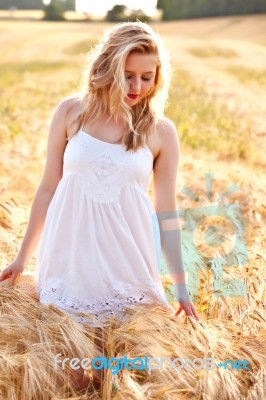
(34, 4)
(172, 9)
(181, 9)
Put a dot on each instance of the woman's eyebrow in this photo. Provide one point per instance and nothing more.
(147, 72)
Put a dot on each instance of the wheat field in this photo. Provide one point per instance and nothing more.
(218, 103)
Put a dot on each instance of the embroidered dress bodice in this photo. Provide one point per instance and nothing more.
(100, 246)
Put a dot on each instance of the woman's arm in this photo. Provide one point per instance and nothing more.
(164, 182)
(45, 192)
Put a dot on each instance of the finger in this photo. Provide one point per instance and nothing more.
(189, 311)
(196, 316)
(178, 311)
(2, 276)
(186, 307)
(14, 278)
(194, 313)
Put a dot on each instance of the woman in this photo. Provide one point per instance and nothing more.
(100, 234)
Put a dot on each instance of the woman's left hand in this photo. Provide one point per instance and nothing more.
(189, 309)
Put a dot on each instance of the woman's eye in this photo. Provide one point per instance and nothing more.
(144, 79)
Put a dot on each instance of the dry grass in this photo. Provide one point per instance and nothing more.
(248, 29)
(80, 47)
(37, 333)
(247, 75)
(21, 14)
(212, 52)
(38, 15)
(213, 115)
(207, 124)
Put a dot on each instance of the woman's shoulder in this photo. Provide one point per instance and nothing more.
(164, 136)
(165, 124)
(70, 102)
(166, 131)
(70, 107)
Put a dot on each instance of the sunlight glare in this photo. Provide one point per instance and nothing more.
(100, 8)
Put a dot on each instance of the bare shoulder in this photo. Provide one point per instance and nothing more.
(167, 136)
(56, 145)
(73, 106)
(66, 112)
(66, 104)
(58, 131)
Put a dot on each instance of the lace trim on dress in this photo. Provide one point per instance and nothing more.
(104, 307)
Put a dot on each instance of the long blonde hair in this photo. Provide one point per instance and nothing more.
(104, 83)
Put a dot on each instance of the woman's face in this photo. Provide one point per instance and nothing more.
(140, 72)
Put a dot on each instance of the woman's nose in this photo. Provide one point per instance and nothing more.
(136, 85)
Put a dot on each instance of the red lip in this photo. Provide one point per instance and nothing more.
(133, 96)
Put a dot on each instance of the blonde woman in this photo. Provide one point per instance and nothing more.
(100, 234)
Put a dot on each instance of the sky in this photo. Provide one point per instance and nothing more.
(100, 7)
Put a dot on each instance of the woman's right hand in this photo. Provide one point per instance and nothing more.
(13, 270)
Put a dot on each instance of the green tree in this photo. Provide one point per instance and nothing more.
(54, 11)
(21, 4)
(179, 9)
(121, 13)
(117, 13)
(69, 5)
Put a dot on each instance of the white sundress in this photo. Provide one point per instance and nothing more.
(100, 246)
